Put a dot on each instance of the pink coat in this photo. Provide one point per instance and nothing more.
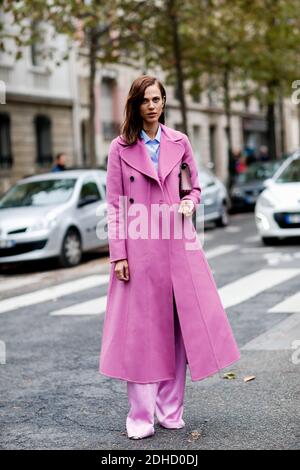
(138, 333)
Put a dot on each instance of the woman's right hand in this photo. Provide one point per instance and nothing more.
(122, 270)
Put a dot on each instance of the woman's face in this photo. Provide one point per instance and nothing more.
(152, 105)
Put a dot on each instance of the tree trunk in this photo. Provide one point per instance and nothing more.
(178, 62)
(227, 108)
(271, 133)
(282, 125)
(92, 66)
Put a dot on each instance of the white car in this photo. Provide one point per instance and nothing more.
(277, 210)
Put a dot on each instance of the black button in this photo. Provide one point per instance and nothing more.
(131, 178)
(131, 200)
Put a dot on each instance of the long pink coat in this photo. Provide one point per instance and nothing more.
(138, 334)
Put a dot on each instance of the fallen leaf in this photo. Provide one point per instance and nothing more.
(229, 376)
(195, 435)
(249, 378)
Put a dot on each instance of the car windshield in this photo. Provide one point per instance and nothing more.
(258, 172)
(38, 193)
(291, 174)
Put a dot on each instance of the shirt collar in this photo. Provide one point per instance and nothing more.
(146, 138)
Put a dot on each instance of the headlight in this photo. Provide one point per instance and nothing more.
(44, 224)
(265, 201)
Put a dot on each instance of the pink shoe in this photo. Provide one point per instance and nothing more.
(172, 426)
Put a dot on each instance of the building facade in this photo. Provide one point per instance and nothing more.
(45, 110)
(39, 114)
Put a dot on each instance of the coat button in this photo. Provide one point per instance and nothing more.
(131, 200)
(131, 178)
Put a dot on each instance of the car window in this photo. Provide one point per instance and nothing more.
(291, 174)
(90, 188)
(258, 172)
(38, 193)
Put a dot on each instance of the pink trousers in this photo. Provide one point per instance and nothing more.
(165, 398)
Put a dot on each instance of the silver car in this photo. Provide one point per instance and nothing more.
(60, 214)
(214, 197)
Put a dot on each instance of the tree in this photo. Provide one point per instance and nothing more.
(274, 61)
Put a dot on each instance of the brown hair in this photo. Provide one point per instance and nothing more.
(133, 123)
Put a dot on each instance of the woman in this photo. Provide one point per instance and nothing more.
(163, 307)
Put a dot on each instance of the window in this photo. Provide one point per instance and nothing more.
(38, 193)
(110, 128)
(43, 140)
(38, 45)
(6, 160)
(196, 141)
(90, 191)
(212, 143)
(179, 126)
(176, 92)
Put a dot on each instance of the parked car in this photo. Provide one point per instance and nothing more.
(248, 185)
(215, 198)
(277, 210)
(54, 215)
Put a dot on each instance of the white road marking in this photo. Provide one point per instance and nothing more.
(256, 249)
(253, 284)
(91, 307)
(232, 229)
(289, 305)
(276, 257)
(207, 236)
(220, 250)
(10, 283)
(53, 292)
(252, 238)
(280, 337)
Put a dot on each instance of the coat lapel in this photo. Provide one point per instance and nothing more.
(171, 151)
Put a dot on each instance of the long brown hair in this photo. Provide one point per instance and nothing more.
(133, 122)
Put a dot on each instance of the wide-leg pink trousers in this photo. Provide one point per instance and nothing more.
(165, 398)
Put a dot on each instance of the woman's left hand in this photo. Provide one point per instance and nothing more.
(186, 207)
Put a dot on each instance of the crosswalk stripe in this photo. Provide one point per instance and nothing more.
(90, 307)
(53, 292)
(220, 250)
(252, 238)
(253, 284)
(16, 282)
(289, 305)
(281, 337)
(231, 294)
(232, 229)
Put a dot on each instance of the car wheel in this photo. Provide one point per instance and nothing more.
(269, 241)
(223, 220)
(71, 250)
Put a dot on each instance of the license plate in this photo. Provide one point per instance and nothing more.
(293, 218)
(7, 243)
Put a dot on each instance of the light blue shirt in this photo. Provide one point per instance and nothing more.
(152, 145)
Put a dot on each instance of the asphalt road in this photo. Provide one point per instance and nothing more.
(52, 396)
